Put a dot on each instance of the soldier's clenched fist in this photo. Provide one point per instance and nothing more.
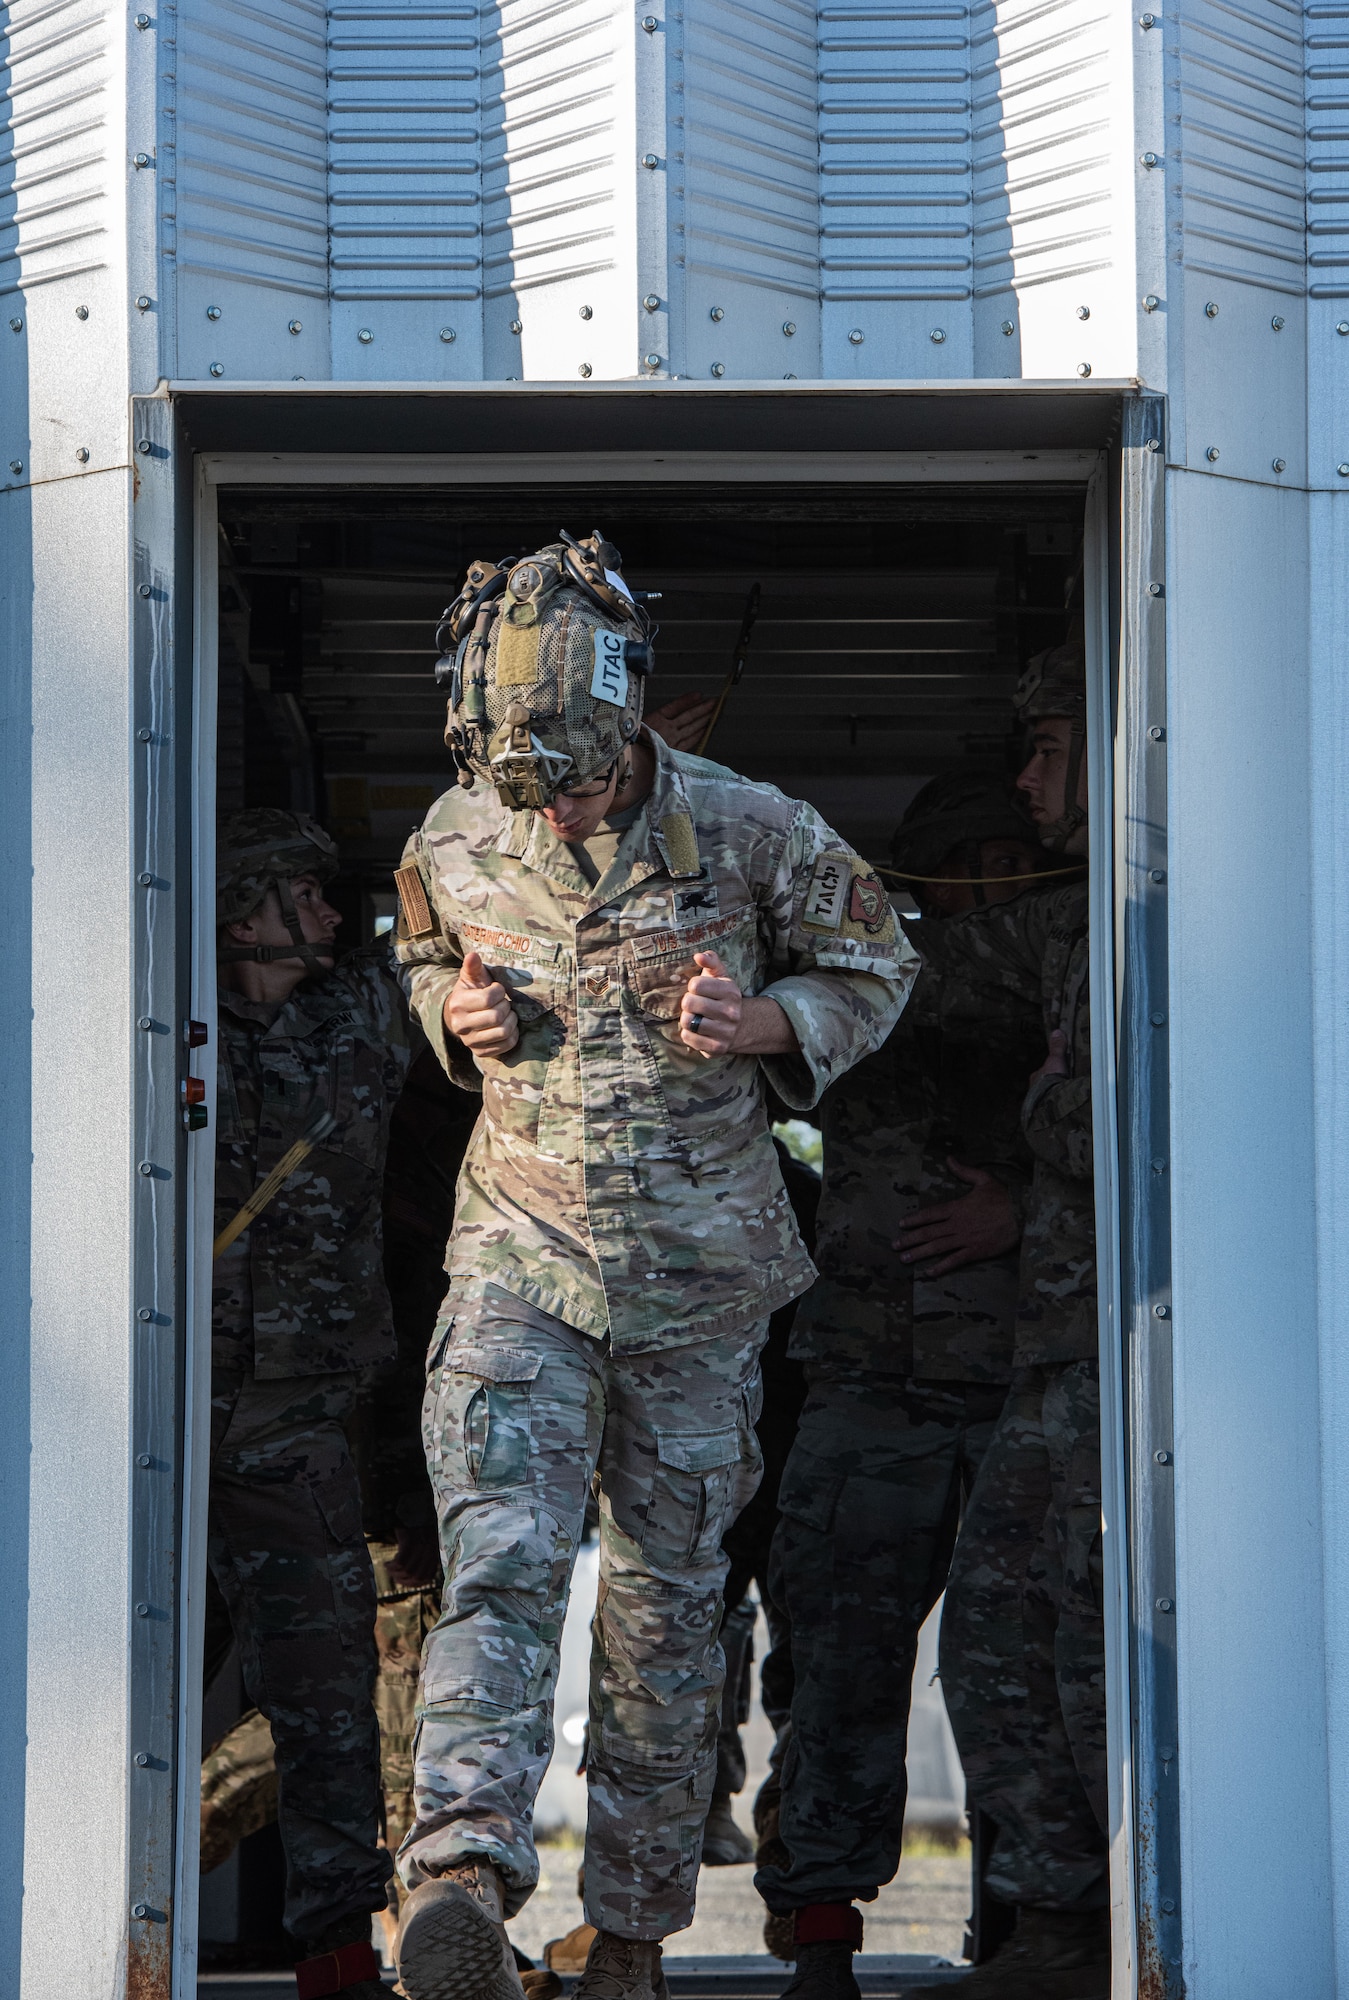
(710, 1011)
(479, 1013)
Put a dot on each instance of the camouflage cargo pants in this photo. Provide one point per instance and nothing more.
(1023, 1647)
(288, 1553)
(521, 1412)
(870, 1500)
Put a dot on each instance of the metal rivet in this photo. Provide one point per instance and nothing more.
(447, 334)
(145, 879)
(651, 302)
(144, 1313)
(1158, 874)
(142, 21)
(143, 1459)
(1146, 21)
(146, 1167)
(1342, 326)
(585, 369)
(1167, 1752)
(1158, 1020)
(145, 1022)
(1156, 732)
(295, 326)
(143, 303)
(1343, 469)
(857, 336)
(1212, 454)
(1162, 1312)
(82, 454)
(1168, 1902)
(1278, 322)
(650, 23)
(1148, 159)
(1084, 312)
(1165, 1604)
(143, 589)
(1211, 310)
(365, 336)
(1151, 302)
(16, 325)
(142, 1759)
(718, 368)
(716, 314)
(217, 368)
(1158, 1166)
(1162, 1457)
(81, 312)
(144, 444)
(139, 1909)
(1009, 326)
(789, 327)
(142, 160)
(1154, 590)
(652, 360)
(142, 1611)
(145, 736)
(1152, 444)
(650, 160)
(212, 312)
(587, 312)
(16, 465)
(516, 326)
(937, 335)
(1084, 367)
(1278, 464)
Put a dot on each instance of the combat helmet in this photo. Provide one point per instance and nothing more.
(266, 848)
(1054, 683)
(545, 662)
(958, 810)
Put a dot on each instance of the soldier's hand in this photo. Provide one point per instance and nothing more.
(479, 1013)
(977, 1225)
(711, 1009)
(1056, 1062)
(681, 721)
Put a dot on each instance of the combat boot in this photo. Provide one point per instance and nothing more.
(825, 1936)
(342, 1961)
(724, 1845)
(452, 1942)
(620, 1968)
(1051, 1955)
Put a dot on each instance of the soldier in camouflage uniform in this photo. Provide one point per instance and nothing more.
(616, 946)
(1022, 1648)
(300, 1317)
(907, 1361)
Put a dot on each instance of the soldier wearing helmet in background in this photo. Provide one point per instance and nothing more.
(311, 1060)
(616, 943)
(1022, 1646)
(907, 1361)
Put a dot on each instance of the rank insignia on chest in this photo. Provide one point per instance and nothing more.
(868, 903)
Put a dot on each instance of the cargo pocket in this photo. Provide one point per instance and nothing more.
(494, 1648)
(337, 1496)
(691, 1491)
(482, 1415)
(811, 1489)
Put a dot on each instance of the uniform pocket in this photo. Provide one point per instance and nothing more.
(691, 1494)
(810, 1490)
(482, 1417)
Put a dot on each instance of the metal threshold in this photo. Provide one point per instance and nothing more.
(880, 1975)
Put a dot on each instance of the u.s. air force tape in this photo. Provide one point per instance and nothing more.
(417, 921)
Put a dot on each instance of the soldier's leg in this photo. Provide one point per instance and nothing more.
(679, 1459)
(512, 1422)
(1072, 1597)
(238, 1788)
(996, 1664)
(870, 1501)
(287, 1551)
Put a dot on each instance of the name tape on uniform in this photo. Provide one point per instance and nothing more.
(609, 682)
(827, 895)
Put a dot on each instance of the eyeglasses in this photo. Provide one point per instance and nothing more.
(590, 788)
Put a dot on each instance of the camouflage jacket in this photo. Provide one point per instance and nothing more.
(618, 1180)
(1037, 947)
(949, 1082)
(302, 1291)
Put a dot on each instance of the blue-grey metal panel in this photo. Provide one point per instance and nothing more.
(1327, 71)
(895, 187)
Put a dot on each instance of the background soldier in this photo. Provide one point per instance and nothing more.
(313, 1056)
(1022, 1646)
(907, 1357)
(615, 949)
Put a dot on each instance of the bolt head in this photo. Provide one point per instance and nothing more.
(650, 23)
(138, 1909)
(295, 326)
(144, 445)
(1151, 303)
(1084, 312)
(142, 159)
(1154, 590)
(141, 1759)
(1162, 1312)
(1343, 469)
(16, 465)
(1156, 733)
(1153, 444)
(145, 736)
(1211, 310)
(1278, 322)
(1212, 454)
(789, 327)
(1162, 1457)
(1146, 21)
(212, 312)
(145, 878)
(517, 326)
(1158, 1020)
(447, 334)
(1148, 159)
(145, 1022)
(857, 336)
(1009, 326)
(81, 312)
(217, 368)
(16, 325)
(585, 369)
(651, 303)
(142, 1611)
(143, 1458)
(1164, 1604)
(143, 303)
(937, 335)
(587, 312)
(718, 368)
(1278, 464)
(716, 314)
(651, 360)
(143, 1313)
(142, 22)
(82, 454)
(1084, 367)
(144, 591)
(650, 159)
(365, 336)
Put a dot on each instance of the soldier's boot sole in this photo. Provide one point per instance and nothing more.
(450, 1949)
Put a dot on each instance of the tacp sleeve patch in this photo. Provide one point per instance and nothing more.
(827, 896)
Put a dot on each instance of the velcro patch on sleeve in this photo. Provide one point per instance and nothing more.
(827, 897)
(681, 846)
(417, 919)
(609, 682)
(518, 653)
(868, 903)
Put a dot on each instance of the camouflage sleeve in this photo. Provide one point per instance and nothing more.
(1000, 948)
(840, 969)
(373, 970)
(1056, 1119)
(431, 962)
